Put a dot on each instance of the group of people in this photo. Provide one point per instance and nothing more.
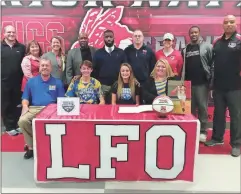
(135, 75)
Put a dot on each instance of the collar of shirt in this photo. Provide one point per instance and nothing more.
(108, 48)
(41, 79)
(231, 37)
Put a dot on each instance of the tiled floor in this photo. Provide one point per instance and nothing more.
(214, 173)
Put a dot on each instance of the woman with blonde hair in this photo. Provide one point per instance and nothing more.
(157, 83)
(126, 89)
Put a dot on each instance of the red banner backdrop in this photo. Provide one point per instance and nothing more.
(41, 20)
(101, 144)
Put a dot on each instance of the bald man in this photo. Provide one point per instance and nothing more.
(77, 55)
(227, 85)
(12, 53)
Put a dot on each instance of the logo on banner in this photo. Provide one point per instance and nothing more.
(68, 106)
(96, 21)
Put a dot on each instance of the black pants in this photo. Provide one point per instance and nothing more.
(200, 105)
(10, 99)
(232, 100)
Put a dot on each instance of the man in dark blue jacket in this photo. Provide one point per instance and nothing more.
(141, 58)
(107, 62)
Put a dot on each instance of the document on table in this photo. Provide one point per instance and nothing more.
(137, 109)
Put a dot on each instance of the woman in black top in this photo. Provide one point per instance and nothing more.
(157, 83)
(126, 89)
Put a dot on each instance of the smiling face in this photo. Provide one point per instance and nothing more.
(161, 70)
(194, 34)
(85, 70)
(55, 44)
(229, 24)
(167, 43)
(45, 67)
(125, 72)
(10, 33)
(34, 49)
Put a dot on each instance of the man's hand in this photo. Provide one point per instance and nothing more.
(24, 110)
(77, 77)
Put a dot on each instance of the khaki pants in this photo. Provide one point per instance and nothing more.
(25, 123)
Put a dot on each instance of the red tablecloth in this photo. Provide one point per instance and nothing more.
(102, 144)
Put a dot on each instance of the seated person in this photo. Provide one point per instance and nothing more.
(126, 89)
(88, 89)
(157, 83)
(39, 92)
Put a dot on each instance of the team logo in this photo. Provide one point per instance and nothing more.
(97, 20)
(232, 45)
(68, 106)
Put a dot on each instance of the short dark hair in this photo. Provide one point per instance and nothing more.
(108, 31)
(87, 63)
(29, 45)
(194, 27)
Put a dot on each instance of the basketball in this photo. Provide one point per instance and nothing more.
(163, 105)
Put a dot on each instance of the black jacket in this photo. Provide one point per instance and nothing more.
(142, 61)
(149, 92)
(227, 63)
(11, 59)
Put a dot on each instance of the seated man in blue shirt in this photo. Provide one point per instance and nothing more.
(39, 92)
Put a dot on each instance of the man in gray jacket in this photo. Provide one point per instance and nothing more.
(77, 55)
(198, 61)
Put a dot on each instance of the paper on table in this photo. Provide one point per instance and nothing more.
(137, 109)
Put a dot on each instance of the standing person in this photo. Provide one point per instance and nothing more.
(30, 63)
(57, 58)
(107, 62)
(12, 53)
(172, 55)
(125, 90)
(198, 61)
(87, 88)
(227, 86)
(77, 55)
(40, 91)
(141, 58)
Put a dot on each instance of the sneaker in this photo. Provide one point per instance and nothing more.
(213, 143)
(203, 138)
(12, 132)
(19, 130)
(28, 154)
(235, 152)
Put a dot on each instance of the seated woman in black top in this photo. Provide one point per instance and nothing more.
(126, 89)
(156, 85)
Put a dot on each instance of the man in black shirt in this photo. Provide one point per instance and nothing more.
(198, 61)
(227, 85)
(12, 53)
(77, 55)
